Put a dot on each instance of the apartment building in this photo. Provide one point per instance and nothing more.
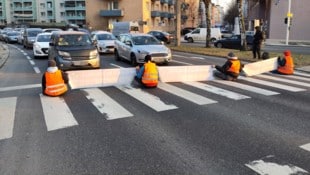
(150, 14)
(42, 11)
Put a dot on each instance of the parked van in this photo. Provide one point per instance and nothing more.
(200, 34)
(125, 27)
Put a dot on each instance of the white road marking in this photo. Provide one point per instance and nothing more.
(12, 88)
(148, 99)
(106, 105)
(195, 98)
(218, 91)
(32, 62)
(56, 113)
(37, 70)
(28, 57)
(271, 168)
(182, 56)
(115, 65)
(181, 62)
(271, 84)
(305, 147)
(301, 73)
(292, 76)
(7, 117)
(284, 80)
(25, 53)
(247, 87)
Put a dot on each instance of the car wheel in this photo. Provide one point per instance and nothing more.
(116, 55)
(213, 40)
(190, 40)
(219, 45)
(133, 60)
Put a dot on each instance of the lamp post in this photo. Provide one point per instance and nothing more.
(289, 15)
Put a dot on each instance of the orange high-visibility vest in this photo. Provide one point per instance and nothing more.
(288, 68)
(55, 84)
(235, 67)
(150, 75)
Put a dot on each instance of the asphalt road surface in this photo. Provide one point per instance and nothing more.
(256, 125)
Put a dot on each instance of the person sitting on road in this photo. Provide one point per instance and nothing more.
(231, 69)
(286, 64)
(147, 74)
(54, 81)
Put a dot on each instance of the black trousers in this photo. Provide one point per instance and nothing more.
(256, 50)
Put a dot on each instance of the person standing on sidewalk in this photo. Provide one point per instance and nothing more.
(257, 43)
(54, 81)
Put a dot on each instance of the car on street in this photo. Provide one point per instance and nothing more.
(41, 45)
(104, 41)
(29, 36)
(186, 30)
(162, 36)
(73, 50)
(234, 42)
(134, 48)
(11, 37)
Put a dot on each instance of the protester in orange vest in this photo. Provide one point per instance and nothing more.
(231, 69)
(147, 74)
(286, 64)
(54, 81)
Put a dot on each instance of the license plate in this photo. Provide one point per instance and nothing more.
(79, 63)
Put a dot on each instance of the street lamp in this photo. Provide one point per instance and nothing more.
(289, 16)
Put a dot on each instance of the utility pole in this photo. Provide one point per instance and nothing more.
(241, 25)
(288, 25)
(177, 8)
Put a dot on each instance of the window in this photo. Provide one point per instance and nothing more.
(113, 5)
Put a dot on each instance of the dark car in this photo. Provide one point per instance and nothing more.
(11, 37)
(73, 50)
(30, 35)
(162, 36)
(187, 30)
(234, 42)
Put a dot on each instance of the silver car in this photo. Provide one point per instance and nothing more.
(104, 41)
(134, 48)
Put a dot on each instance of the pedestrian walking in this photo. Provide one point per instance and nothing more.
(257, 43)
(54, 81)
(231, 68)
(147, 74)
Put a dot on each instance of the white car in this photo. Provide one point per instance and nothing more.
(104, 41)
(41, 45)
(135, 47)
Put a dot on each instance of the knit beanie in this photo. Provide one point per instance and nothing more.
(231, 55)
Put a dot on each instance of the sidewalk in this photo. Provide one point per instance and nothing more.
(4, 53)
(290, 43)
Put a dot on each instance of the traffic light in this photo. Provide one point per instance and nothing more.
(285, 20)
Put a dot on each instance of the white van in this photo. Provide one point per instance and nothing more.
(125, 27)
(200, 34)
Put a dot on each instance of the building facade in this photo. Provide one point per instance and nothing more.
(270, 15)
(150, 14)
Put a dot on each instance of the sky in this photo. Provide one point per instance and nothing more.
(223, 3)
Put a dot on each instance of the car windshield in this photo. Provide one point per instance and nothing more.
(145, 40)
(74, 40)
(43, 38)
(12, 33)
(106, 37)
(33, 33)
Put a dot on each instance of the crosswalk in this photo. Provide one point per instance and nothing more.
(57, 114)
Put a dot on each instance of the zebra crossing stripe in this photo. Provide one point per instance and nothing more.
(7, 116)
(284, 80)
(247, 87)
(306, 147)
(271, 84)
(20, 87)
(56, 113)
(148, 99)
(218, 91)
(106, 105)
(292, 76)
(195, 98)
(301, 73)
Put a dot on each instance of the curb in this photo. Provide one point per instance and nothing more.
(4, 54)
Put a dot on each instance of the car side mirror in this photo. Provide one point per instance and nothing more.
(162, 43)
(95, 42)
(51, 44)
(128, 43)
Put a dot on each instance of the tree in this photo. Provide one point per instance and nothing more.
(242, 26)
(231, 13)
(208, 37)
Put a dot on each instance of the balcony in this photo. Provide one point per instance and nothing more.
(171, 2)
(155, 14)
(171, 15)
(164, 14)
(112, 13)
(164, 1)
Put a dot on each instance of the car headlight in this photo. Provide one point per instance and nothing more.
(36, 46)
(64, 55)
(93, 54)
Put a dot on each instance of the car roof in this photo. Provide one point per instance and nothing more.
(45, 33)
(69, 32)
(101, 32)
